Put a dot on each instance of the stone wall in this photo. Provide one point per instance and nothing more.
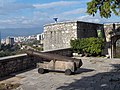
(85, 29)
(15, 63)
(110, 27)
(112, 33)
(58, 35)
(64, 52)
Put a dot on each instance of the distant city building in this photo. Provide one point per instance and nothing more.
(2, 41)
(10, 40)
(20, 39)
(40, 37)
(32, 37)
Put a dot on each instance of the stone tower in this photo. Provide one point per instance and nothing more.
(58, 35)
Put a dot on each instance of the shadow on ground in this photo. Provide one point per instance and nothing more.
(101, 81)
(15, 73)
(83, 70)
(79, 71)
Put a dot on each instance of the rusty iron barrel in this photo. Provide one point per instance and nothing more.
(56, 57)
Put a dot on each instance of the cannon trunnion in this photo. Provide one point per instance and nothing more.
(55, 62)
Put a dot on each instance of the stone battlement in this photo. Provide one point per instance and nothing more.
(15, 63)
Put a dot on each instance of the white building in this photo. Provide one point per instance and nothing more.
(10, 40)
(40, 37)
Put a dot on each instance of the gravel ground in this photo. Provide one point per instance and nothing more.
(95, 74)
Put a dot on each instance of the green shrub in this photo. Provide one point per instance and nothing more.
(91, 46)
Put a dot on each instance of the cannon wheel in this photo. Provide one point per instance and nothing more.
(68, 72)
(41, 71)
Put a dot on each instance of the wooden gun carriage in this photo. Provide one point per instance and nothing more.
(56, 62)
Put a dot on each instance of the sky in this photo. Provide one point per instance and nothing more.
(36, 13)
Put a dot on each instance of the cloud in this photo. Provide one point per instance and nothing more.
(75, 11)
(69, 15)
(2, 2)
(40, 15)
(14, 22)
(14, 6)
(23, 22)
(55, 4)
(10, 7)
(36, 15)
(88, 18)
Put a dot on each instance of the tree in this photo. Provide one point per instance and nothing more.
(91, 46)
(104, 7)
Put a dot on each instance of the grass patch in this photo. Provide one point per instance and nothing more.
(4, 86)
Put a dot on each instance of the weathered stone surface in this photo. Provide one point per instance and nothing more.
(91, 76)
(15, 63)
(64, 52)
(58, 35)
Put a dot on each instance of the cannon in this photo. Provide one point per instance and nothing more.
(55, 62)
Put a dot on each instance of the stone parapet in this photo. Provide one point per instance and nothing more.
(15, 63)
(63, 51)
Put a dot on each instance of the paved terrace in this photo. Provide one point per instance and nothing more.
(95, 74)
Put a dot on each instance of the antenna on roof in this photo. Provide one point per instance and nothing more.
(55, 19)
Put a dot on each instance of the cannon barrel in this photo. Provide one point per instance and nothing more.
(56, 57)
